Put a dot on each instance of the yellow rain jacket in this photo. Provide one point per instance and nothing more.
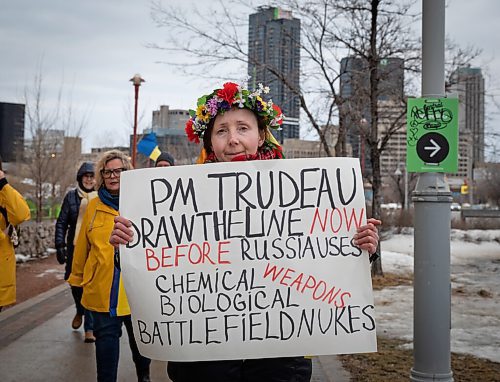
(93, 262)
(17, 212)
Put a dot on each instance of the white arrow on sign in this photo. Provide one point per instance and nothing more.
(435, 147)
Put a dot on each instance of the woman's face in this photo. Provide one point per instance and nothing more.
(112, 183)
(235, 133)
(88, 181)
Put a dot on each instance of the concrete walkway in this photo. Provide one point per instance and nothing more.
(38, 344)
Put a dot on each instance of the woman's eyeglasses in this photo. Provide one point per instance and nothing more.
(106, 173)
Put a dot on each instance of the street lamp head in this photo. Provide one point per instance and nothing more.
(398, 172)
(137, 80)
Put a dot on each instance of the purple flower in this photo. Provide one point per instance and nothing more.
(212, 106)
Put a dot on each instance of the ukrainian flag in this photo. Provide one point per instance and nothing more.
(149, 147)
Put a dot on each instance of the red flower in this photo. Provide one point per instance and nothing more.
(228, 92)
(190, 132)
(279, 115)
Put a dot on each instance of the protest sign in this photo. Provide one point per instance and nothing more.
(247, 260)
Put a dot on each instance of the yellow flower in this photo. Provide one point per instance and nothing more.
(261, 105)
(202, 113)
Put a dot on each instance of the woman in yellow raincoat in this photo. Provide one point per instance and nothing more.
(94, 269)
(14, 210)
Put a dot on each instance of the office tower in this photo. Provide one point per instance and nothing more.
(355, 79)
(11, 131)
(274, 45)
(354, 92)
(468, 83)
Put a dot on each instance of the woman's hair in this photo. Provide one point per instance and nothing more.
(207, 137)
(105, 158)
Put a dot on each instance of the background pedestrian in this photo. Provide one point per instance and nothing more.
(13, 211)
(67, 227)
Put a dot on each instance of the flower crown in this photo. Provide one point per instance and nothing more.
(222, 100)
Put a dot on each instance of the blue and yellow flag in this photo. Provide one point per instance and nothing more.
(149, 147)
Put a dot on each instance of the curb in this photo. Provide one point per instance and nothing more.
(16, 309)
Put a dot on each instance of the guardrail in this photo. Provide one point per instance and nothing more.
(483, 213)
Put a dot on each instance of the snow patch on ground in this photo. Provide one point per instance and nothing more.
(475, 311)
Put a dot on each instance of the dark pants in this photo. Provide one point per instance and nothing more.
(289, 369)
(77, 293)
(107, 331)
(88, 323)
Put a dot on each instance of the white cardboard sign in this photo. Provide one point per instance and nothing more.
(247, 260)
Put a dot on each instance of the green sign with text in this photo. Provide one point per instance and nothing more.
(432, 135)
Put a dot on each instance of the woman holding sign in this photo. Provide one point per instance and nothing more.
(234, 125)
(94, 270)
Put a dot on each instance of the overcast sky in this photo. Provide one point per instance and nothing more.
(92, 48)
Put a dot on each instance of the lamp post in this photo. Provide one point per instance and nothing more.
(136, 81)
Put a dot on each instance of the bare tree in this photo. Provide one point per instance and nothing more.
(52, 158)
(329, 31)
(488, 187)
(371, 31)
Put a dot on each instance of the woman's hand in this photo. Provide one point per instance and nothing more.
(122, 233)
(367, 236)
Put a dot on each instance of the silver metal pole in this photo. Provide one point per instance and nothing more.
(432, 198)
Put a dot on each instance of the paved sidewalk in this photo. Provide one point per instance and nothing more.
(37, 344)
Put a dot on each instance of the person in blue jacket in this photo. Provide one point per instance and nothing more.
(67, 227)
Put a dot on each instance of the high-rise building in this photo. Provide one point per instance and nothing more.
(468, 83)
(354, 92)
(11, 131)
(355, 79)
(274, 46)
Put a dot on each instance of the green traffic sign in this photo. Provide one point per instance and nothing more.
(432, 135)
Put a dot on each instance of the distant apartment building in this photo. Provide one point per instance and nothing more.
(166, 118)
(96, 152)
(354, 111)
(11, 131)
(468, 84)
(53, 143)
(274, 45)
(300, 148)
(392, 121)
(168, 125)
(355, 79)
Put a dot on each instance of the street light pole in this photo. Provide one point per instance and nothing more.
(432, 199)
(136, 80)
